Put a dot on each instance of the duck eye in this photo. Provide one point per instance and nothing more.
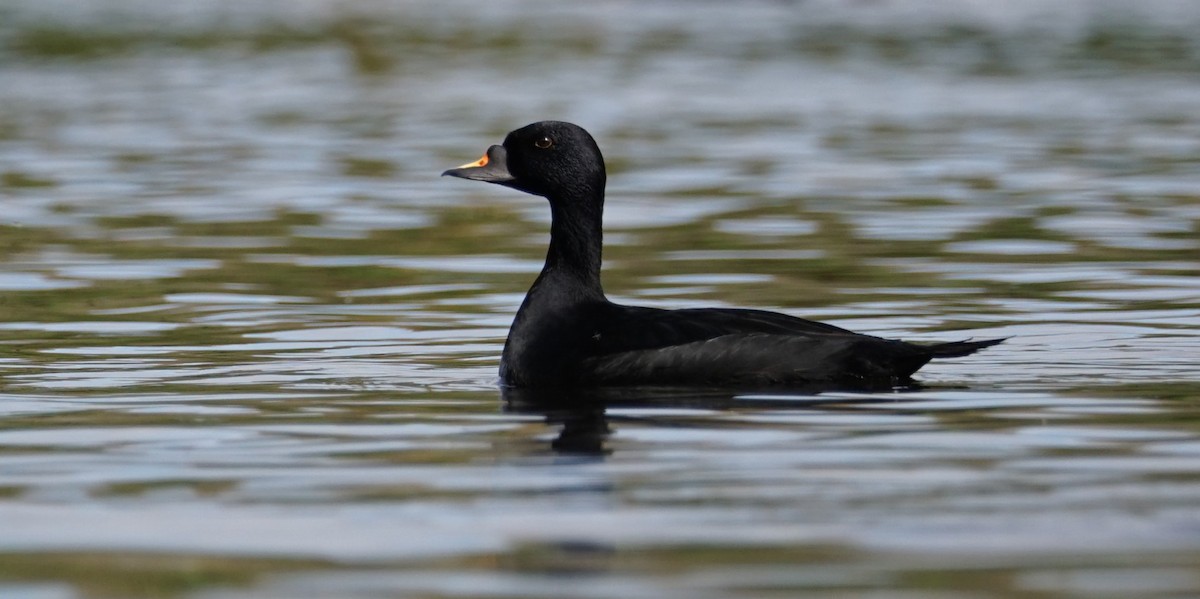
(544, 142)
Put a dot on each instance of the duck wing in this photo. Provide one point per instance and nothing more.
(760, 359)
(721, 346)
(623, 328)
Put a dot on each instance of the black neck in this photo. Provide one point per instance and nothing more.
(576, 239)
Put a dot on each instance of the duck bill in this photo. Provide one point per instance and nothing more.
(492, 168)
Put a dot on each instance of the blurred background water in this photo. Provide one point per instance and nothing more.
(249, 337)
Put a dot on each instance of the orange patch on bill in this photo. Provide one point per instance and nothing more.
(478, 163)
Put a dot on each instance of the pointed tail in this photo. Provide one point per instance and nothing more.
(958, 349)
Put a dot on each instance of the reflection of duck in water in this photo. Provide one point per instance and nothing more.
(586, 424)
(567, 334)
(583, 431)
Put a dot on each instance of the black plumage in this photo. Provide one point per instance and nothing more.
(567, 333)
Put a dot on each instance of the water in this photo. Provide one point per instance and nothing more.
(250, 337)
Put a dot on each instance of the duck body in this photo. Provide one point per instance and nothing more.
(568, 334)
(595, 342)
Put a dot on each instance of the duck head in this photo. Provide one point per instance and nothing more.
(553, 159)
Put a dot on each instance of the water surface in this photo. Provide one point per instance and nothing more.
(249, 337)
